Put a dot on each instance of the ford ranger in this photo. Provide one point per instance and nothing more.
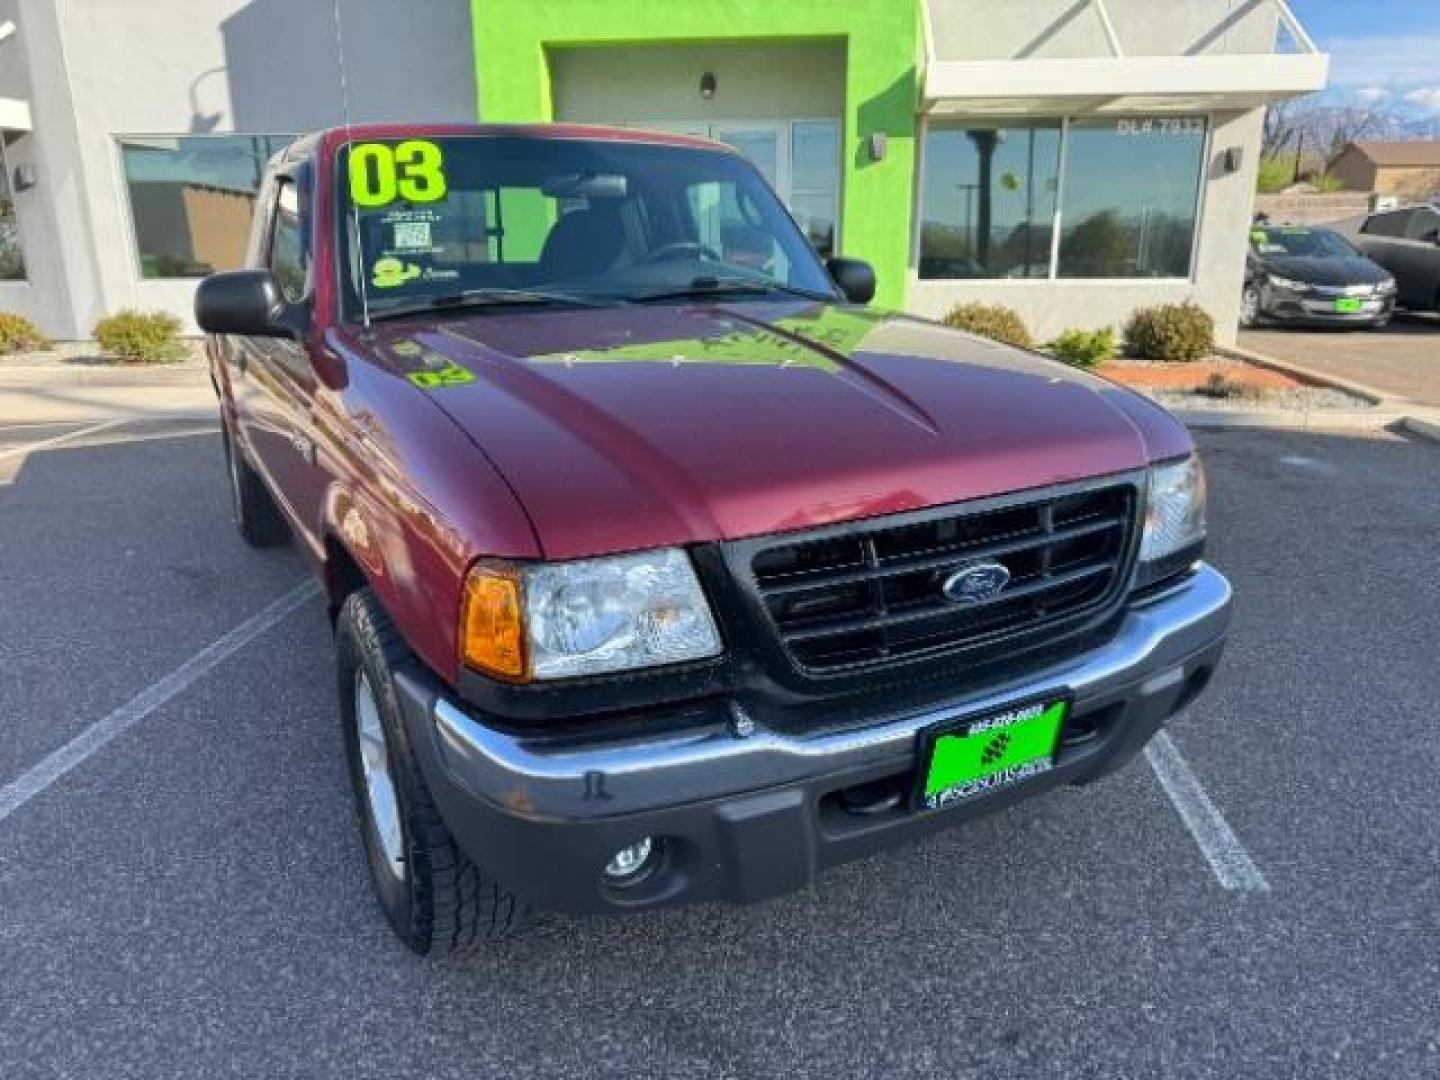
(662, 567)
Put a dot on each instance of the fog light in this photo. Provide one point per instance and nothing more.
(629, 863)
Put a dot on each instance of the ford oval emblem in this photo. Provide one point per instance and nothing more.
(976, 583)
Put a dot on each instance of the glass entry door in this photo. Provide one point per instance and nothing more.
(800, 159)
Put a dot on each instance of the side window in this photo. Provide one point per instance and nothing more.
(1390, 223)
(1422, 225)
(287, 242)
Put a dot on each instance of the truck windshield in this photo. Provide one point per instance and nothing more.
(434, 221)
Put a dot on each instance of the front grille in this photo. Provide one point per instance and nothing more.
(873, 594)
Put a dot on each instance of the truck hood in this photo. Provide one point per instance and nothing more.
(638, 426)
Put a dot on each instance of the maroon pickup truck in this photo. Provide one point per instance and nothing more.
(662, 568)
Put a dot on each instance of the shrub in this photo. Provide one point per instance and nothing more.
(19, 334)
(1171, 332)
(994, 321)
(143, 337)
(1085, 348)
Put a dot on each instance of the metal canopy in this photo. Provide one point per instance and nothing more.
(1068, 66)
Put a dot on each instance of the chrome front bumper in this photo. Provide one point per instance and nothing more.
(647, 774)
(745, 814)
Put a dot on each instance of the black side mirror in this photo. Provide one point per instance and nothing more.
(248, 302)
(855, 277)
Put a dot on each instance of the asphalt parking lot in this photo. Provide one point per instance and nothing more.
(190, 898)
(1403, 359)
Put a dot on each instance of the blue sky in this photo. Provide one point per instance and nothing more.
(1382, 51)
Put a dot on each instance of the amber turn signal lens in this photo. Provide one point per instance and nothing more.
(492, 637)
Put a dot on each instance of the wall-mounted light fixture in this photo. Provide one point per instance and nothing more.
(1231, 159)
(707, 85)
(24, 178)
(877, 144)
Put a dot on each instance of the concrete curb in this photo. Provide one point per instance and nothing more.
(1389, 409)
(62, 374)
(1365, 393)
(1286, 420)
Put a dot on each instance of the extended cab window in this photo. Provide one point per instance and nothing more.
(287, 243)
(430, 220)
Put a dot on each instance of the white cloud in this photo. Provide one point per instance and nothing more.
(1378, 61)
(1372, 95)
(1425, 98)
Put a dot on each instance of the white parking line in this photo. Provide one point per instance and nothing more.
(1227, 857)
(31, 783)
(56, 440)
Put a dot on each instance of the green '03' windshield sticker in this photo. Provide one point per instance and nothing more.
(380, 173)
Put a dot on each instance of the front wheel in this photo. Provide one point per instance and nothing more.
(1250, 307)
(436, 899)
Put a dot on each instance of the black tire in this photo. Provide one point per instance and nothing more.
(258, 519)
(437, 900)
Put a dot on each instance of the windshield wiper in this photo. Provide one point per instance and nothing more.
(728, 286)
(485, 298)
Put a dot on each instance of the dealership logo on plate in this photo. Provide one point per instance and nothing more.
(976, 583)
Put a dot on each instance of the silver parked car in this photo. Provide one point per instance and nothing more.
(1407, 243)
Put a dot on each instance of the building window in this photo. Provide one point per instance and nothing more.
(191, 199)
(989, 201)
(1122, 192)
(12, 259)
(1130, 195)
(815, 181)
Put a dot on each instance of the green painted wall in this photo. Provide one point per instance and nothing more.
(882, 47)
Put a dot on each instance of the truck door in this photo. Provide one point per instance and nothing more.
(1378, 235)
(1416, 259)
(282, 381)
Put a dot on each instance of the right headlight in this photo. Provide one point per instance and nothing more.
(1174, 527)
(586, 617)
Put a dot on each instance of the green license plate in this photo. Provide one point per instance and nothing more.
(960, 760)
(1348, 306)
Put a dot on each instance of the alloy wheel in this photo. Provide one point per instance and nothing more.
(381, 803)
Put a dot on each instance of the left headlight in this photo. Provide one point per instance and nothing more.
(588, 617)
(1174, 531)
(1288, 283)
